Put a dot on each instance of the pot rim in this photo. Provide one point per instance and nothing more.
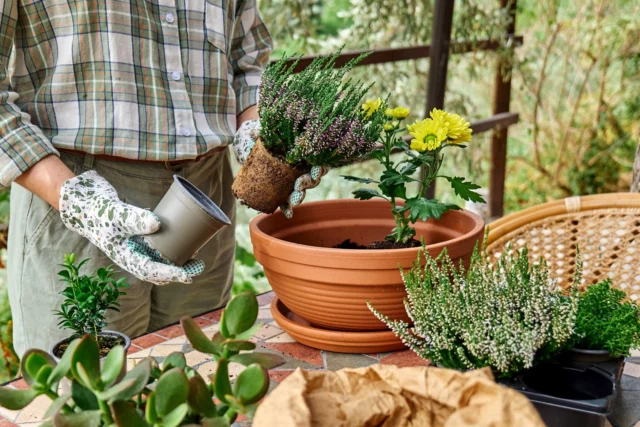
(257, 233)
(588, 351)
(206, 205)
(127, 342)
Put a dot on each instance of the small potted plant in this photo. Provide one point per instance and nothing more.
(607, 328)
(333, 256)
(171, 394)
(308, 119)
(87, 299)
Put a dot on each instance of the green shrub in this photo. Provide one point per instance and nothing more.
(87, 298)
(605, 321)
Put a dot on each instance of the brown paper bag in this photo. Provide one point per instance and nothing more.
(388, 396)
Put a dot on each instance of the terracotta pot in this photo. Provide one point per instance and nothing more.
(329, 287)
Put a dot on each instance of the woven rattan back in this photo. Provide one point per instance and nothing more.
(606, 229)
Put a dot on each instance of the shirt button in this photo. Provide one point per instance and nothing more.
(175, 76)
(186, 132)
(169, 18)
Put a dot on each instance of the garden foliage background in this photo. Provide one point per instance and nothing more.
(576, 85)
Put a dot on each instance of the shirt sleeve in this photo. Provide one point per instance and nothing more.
(250, 51)
(22, 144)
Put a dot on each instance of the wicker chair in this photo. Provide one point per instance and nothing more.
(606, 229)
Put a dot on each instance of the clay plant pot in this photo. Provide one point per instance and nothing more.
(330, 287)
(189, 219)
(264, 181)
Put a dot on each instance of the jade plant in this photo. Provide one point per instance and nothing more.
(167, 395)
(87, 297)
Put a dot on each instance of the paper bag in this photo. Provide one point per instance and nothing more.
(388, 396)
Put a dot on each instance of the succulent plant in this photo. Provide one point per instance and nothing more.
(150, 394)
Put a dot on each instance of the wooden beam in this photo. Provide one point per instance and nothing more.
(440, 47)
(501, 101)
(384, 56)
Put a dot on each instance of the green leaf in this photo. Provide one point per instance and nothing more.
(78, 419)
(238, 345)
(64, 365)
(32, 361)
(16, 399)
(241, 313)
(221, 382)
(215, 422)
(360, 180)
(421, 208)
(378, 155)
(251, 385)
(224, 331)
(56, 405)
(249, 332)
(391, 177)
(174, 360)
(200, 399)
(366, 193)
(266, 360)
(410, 168)
(150, 411)
(175, 417)
(126, 415)
(172, 391)
(133, 382)
(113, 364)
(197, 338)
(465, 189)
(43, 374)
(83, 397)
(87, 354)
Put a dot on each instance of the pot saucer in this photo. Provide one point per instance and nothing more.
(326, 339)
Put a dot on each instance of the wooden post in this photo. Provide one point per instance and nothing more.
(501, 101)
(439, 60)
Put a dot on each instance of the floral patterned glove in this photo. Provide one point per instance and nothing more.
(90, 206)
(243, 144)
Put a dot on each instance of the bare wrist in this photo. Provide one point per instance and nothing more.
(45, 179)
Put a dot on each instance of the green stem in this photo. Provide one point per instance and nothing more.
(53, 396)
(106, 412)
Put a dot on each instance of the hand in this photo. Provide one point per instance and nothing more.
(243, 144)
(90, 206)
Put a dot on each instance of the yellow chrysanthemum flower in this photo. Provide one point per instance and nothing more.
(428, 134)
(370, 107)
(398, 112)
(459, 130)
(388, 127)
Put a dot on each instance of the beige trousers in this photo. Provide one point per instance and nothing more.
(38, 240)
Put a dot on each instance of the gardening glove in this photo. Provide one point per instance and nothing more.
(243, 143)
(90, 206)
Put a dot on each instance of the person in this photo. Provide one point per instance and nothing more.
(107, 101)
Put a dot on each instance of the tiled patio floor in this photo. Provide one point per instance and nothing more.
(270, 338)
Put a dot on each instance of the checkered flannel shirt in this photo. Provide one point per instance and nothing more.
(154, 80)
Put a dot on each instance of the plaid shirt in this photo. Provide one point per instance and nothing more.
(151, 80)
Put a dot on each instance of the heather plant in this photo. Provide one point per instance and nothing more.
(87, 297)
(606, 321)
(504, 316)
(430, 138)
(314, 118)
(151, 394)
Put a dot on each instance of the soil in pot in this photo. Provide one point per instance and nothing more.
(379, 244)
(265, 181)
(106, 343)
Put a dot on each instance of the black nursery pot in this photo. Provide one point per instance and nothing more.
(189, 219)
(583, 359)
(567, 396)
